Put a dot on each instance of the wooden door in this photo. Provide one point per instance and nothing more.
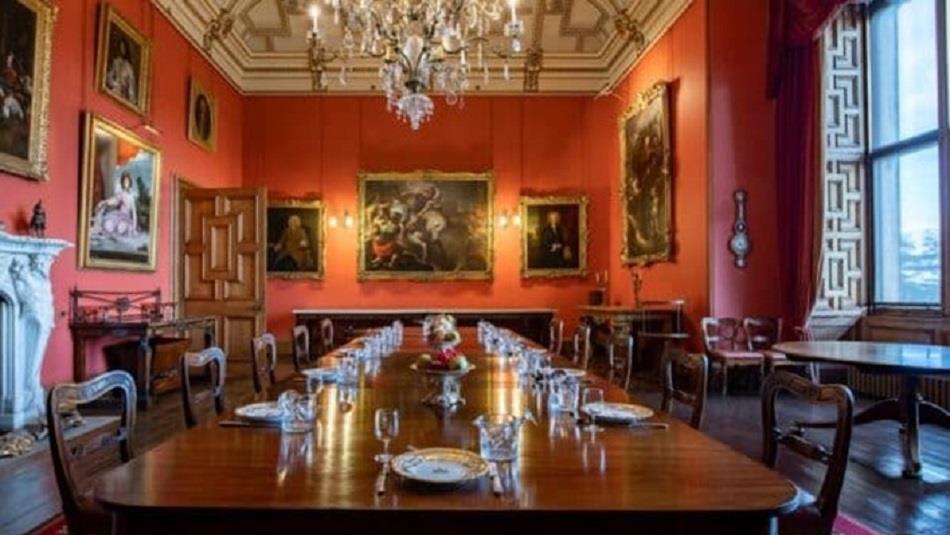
(222, 242)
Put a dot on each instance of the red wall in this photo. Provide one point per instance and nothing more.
(679, 57)
(175, 61)
(742, 154)
(317, 145)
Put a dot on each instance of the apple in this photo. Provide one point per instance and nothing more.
(458, 363)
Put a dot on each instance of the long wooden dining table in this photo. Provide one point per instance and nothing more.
(260, 480)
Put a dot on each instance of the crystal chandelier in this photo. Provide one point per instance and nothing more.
(424, 45)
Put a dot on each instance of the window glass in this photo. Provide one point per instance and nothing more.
(907, 228)
(903, 41)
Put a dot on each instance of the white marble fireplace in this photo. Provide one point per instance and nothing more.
(26, 320)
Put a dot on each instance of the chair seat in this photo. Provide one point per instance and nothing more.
(748, 356)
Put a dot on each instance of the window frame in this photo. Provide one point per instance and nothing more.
(940, 137)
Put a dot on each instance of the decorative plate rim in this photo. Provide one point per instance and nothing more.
(629, 408)
(473, 473)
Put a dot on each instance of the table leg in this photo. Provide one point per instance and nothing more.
(144, 378)
(79, 359)
(910, 408)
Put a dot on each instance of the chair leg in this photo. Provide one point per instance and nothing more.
(813, 373)
(725, 378)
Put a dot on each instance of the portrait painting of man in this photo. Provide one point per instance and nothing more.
(554, 236)
(646, 178)
(425, 226)
(295, 238)
(124, 61)
(202, 117)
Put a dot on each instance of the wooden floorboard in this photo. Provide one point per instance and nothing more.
(874, 493)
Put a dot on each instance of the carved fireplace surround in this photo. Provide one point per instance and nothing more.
(26, 319)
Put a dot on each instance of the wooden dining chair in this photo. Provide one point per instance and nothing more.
(815, 515)
(78, 462)
(762, 333)
(300, 338)
(326, 335)
(263, 362)
(695, 368)
(581, 346)
(556, 336)
(213, 362)
(726, 346)
(620, 363)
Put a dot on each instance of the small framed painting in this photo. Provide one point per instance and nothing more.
(26, 39)
(118, 216)
(646, 176)
(295, 239)
(123, 61)
(202, 117)
(554, 237)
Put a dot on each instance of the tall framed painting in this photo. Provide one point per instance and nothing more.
(118, 216)
(295, 239)
(202, 117)
(554, 236)
(123, 61)
(646, 179)
(425, 226)
(26, 41)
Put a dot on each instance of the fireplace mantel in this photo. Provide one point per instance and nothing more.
(26, 320)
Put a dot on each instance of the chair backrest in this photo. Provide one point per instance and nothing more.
(723, 334)
(696, 368)
(581, 354)
(214, 363)
(762, 332)
(78, 461)
(556, 336)
(263, 361)
(326, 335)
(301, 342)
(621, 366)
(836, 459)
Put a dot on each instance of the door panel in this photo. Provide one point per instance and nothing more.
(222, 232)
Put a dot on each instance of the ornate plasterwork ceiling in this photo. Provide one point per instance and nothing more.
(586, 45)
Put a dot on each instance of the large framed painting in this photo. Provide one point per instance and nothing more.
(295, 239)
(118, 223)
(202, 117)
(425, 226)
(554, 236)
(26, 39)
(123, 61)
(646, 179)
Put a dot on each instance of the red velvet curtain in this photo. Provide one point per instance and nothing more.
(794, 81)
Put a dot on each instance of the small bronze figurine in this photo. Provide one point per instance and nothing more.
(38, 221)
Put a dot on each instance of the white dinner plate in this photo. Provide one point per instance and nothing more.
(265, 411)
(621, 413)
(440, 466)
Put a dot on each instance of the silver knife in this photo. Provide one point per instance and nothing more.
(381, 479)
(496, 487)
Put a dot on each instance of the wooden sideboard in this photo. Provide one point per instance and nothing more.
(529, 322)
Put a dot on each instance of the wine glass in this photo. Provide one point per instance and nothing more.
(387, 428)
(591, 396)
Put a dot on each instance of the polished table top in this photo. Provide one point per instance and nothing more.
(679, 470)
(895, 357)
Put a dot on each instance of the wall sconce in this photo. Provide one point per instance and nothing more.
(334, 222)
(504, 219)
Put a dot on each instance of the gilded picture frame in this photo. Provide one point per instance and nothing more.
(26, 44)
(646, 178)
(119, 199)
(123, 61)
(554, 236)
(202, 116)
(296, 239)
(425, 226)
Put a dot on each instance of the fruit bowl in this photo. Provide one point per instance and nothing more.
(442, 384)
